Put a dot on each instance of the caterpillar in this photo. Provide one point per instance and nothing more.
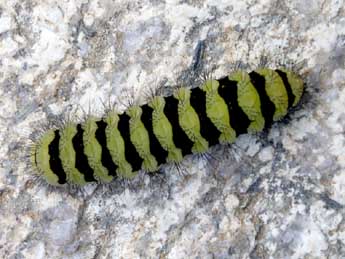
(165, 129)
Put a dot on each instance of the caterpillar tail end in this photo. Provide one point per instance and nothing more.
(40, 159)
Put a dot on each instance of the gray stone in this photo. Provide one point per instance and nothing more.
(275, 195)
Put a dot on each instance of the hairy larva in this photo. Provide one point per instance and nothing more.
(166, 129)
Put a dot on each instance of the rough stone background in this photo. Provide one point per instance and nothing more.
(275, 195)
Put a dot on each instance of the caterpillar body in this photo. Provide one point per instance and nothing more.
(165, 129)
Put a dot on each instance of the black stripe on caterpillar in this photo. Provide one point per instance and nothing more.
(166, 129)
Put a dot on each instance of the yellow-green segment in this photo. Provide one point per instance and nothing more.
(68, 155)
(217, 111)
(249, 100)
(93, 151)
(163, 130)
(140, 139)
(189, 120)
(116, 146)
(276, 91)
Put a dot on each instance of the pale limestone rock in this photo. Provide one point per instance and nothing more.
(275, 195)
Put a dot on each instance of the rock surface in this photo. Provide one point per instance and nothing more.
(275, 195)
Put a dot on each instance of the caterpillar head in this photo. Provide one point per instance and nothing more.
(296, 83)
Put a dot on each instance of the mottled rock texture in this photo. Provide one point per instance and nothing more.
(275, 195)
